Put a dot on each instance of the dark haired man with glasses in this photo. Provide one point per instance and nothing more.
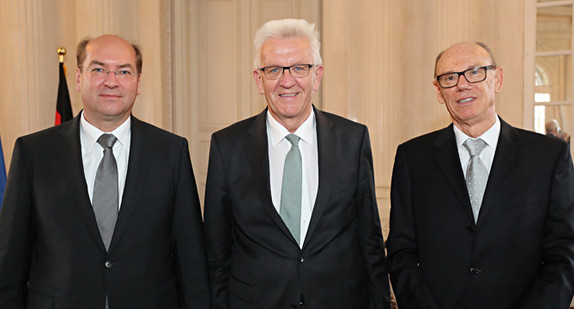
(482, 212)
(102, 211)
(291, 217)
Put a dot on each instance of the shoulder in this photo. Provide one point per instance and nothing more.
(234, 131)
(330, 119)
(531, 141)
(50, 137)
(154, 134)
(429, 140)
(339, 128)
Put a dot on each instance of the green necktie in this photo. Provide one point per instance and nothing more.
(291, 188)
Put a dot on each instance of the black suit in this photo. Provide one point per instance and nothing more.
(51, 252)
(520, 253)
(255, 262)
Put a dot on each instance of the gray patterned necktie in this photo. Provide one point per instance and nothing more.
(106, 190)
(290, 209)
(476, 174)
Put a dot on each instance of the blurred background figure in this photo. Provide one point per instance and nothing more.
(553, 129)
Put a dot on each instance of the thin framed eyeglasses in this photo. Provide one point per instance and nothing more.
(101, 73)
(472, 75)
(296, 70)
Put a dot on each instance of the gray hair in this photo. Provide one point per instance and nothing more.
(287, 28)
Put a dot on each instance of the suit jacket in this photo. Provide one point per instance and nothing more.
(520, 253)
(51, 252)
(255, 262)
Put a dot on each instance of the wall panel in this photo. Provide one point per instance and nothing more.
(379, 66)
(221, 57)
(378, 57)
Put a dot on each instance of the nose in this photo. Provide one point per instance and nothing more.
(287, 80)
(111, 79)
(462, 82)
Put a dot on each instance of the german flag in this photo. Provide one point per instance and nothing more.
(63, 105)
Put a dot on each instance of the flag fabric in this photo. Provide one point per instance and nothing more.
(2, 174)
(63, 105)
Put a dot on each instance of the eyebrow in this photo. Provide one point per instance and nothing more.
(467, 68)
(96, 62)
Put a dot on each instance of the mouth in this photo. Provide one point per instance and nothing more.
(110, 95)
(288, 95)
(465, 100)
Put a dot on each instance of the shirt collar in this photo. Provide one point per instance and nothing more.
(277, 132)
(91, 134)
(490, 136)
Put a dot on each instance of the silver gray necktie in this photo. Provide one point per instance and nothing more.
(290, 209)
(476, 174)
(106, 190)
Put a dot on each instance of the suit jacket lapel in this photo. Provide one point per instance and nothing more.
(448, 161)
(70, 154)
(257, 152)
(138, 163)
(505, 159)
(325, 151)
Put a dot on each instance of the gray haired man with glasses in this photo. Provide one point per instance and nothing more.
(482, 213)
(291, 216)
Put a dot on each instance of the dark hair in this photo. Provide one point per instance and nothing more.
(481, 44)
(81, 54)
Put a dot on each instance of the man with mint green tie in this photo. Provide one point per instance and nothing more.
(291, 217)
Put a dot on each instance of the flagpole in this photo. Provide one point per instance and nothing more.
(63, 104)
(61, 53)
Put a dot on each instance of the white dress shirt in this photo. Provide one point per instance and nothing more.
(278, 149)
(92, 153)
(487, 154)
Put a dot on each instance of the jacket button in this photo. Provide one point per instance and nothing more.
(475, 271)
(108, 264)
(301, 259)
(471, 229)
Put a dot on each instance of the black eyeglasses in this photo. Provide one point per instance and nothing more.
(473, 75)
(296, 70)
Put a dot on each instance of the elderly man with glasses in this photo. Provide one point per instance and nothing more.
(291, 216)
(482, 212)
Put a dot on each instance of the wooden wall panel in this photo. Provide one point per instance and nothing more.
(221, 57)
(36, 28)
(378, 57)
(379, 66)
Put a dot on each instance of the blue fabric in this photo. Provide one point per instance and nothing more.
(2, 173)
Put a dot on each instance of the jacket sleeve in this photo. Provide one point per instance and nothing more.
(407, 281)
(16, 235)
(217, 227)
(369, 230)
(555, 283)
(188, 239)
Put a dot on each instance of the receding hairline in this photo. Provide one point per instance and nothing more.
(481, 44)
(83, 45)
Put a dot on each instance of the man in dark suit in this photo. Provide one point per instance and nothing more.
(507, 244)
(59, 251)
(272, 244)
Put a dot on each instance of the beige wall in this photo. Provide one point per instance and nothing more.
(378, 58)
(379, 61)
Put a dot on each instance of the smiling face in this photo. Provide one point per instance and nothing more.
(288, 98)
(471, 105)
(107, 101)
